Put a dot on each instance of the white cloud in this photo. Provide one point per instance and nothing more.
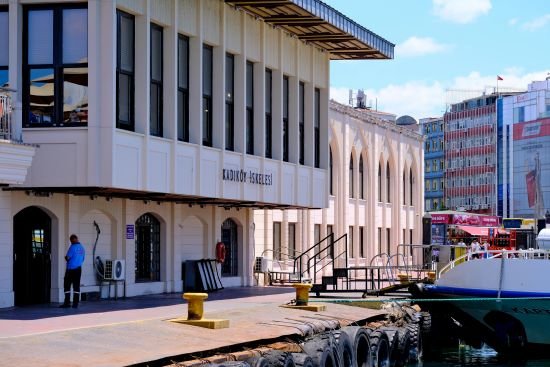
(513, 21)
(420, 99)
(536, 23)
(460, 11)
(418, 46)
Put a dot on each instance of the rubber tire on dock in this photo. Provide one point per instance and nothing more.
(258, 361)
(426, 323)
(344, 346)
(393, 338)
(303, 360)
(277, 358)
(361, 344)
(322, 350)
(416, 349)
(231, 364)
(379, 349)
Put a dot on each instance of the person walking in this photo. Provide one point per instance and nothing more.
(75, 257)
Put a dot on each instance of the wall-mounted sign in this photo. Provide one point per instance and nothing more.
(129, 231)
(239, 175)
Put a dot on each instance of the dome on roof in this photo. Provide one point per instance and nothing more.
(406, 120)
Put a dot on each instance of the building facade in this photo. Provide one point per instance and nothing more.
(375, 193)
(433, 130)
(526, 152)
(471, 155)
(158, 127)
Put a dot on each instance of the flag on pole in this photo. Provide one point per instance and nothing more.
(499, 77)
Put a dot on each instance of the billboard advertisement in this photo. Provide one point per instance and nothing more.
(531, 168)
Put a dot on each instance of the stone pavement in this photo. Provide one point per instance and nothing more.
(135, 330)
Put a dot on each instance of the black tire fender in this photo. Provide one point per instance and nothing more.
(380, 349)
(361, 344)
(277, 358)
(303, 360)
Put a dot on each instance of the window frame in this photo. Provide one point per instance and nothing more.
(301, 122)
(351, 177)
(361, 178)
(268, 110)
(156, 83)
(5, 9)
(58, 66)
(230, 102)
(317, 127)
(249, 107)
(286, 105)
(183, 90)
(207, 99)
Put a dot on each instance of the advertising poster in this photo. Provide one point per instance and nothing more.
(438, 234)
(531, 178)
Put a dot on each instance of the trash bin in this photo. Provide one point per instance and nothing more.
(460, 251)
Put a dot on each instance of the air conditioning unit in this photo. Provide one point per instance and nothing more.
(261, 265)
(115, 269)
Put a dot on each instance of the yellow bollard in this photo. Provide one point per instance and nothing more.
(195, 308)
(302, 293)
(302, 298)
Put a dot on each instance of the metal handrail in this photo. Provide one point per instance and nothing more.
(298, 260)
(5, 116)
(492, 254)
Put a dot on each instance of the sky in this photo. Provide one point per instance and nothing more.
(444, 50)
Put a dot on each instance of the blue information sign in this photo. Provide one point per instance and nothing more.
(129, 231)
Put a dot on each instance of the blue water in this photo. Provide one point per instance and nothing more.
(465, 355)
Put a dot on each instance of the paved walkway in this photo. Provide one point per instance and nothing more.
(136, 330)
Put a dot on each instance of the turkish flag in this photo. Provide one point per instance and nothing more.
(499, 77)
(530, 179)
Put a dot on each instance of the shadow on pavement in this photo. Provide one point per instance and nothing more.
(50, 310)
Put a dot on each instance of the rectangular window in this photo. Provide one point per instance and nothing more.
(4, 45)
(379, 240)
(183, 88)
(55, 66)
(125, 70)
(410, 237)
(229, 108)
(350, 243)
(388, 242)
(285, 118)
(249, 108)
(362, 241)
(207, 54)
(155, 127)
(316, 239)
(277, 240)
(291, 240)
(301, 122)
(330, 230)
(317, 126)
(268, 122)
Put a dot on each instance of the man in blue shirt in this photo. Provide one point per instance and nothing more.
(75, 258)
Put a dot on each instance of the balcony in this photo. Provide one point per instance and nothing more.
(15, 157)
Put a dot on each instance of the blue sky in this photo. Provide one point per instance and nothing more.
(445, 45)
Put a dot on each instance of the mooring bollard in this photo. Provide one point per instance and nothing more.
(195, 309)
(302, 293)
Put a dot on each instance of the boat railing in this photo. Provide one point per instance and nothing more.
(492, 254)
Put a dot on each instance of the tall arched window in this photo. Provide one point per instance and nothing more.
(388, 183)
(411, 182)
(379, 182)
(351, 176)
(147, 248)
(361, 179)
(331, 176)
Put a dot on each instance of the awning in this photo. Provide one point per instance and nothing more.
(477, 231)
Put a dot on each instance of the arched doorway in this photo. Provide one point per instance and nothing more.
(230, 266)
(147, 248)
(32, 256)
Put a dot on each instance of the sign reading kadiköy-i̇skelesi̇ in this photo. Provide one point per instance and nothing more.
(240, 175)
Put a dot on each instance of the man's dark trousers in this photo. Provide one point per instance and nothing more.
(72, 277)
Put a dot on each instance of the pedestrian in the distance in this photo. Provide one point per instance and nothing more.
(75, 258)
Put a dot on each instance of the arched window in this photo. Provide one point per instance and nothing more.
(230, 267)
(331, 176)
(351, 176)
(379, 182)
(388, 182)
(147, 248)
(361, 179)
(411, 182)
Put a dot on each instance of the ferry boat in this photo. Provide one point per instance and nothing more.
(505, 294)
